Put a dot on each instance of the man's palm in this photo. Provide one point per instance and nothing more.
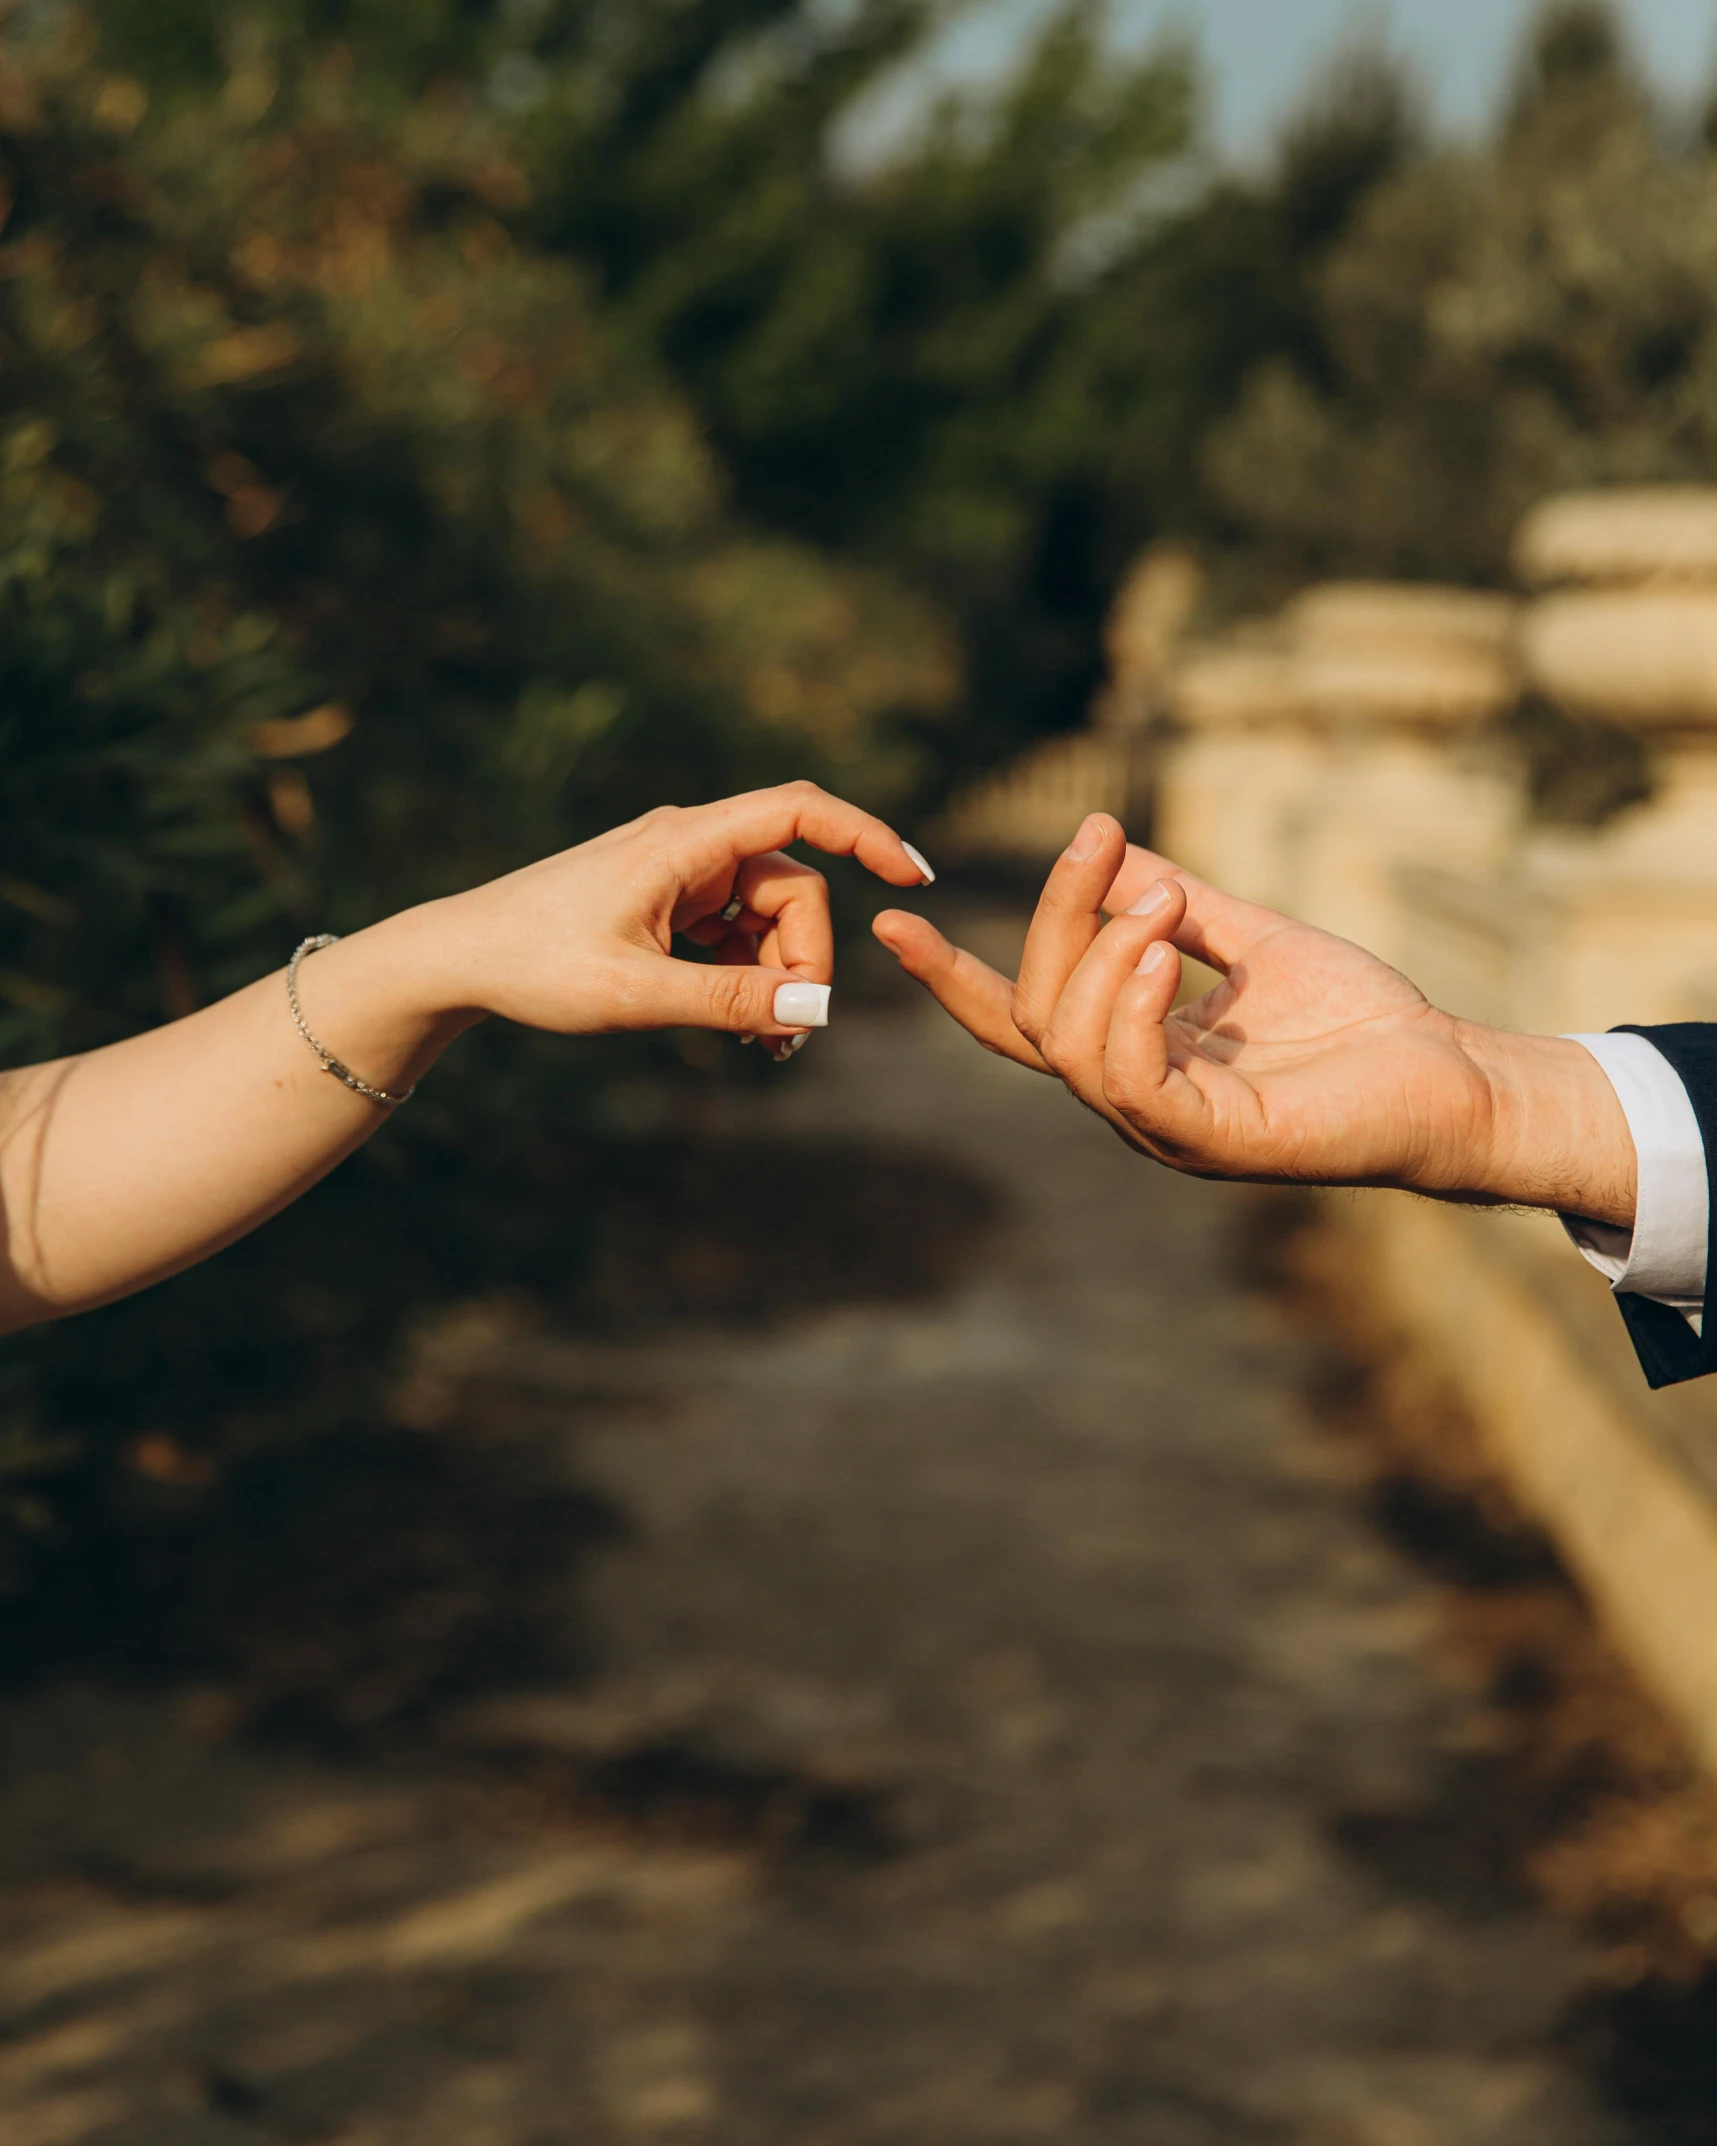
(1310, 1060)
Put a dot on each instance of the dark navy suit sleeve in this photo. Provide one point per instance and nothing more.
(1668, 1349)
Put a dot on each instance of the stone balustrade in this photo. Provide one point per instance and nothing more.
(1345, 762)
(1323, 754)
(1353, 760)
(1349, 760)
(1023, 815)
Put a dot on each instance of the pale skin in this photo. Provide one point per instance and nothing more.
(124, 1165)
(1311, 1063)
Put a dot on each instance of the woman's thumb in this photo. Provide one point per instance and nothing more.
(744, 1001)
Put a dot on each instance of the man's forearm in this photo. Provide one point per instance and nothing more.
(1558, 1136)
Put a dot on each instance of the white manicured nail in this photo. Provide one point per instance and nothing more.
(790, 1049)
(748, 1039)
(919, 859)
(802, 1005)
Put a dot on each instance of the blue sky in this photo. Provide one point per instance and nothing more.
(1262, 52)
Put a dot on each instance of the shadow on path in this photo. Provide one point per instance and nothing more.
(945, 1685)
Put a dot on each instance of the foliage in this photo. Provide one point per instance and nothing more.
(431, 431)
(346, 557)
(983, 364)
(291, 424)
(1502, 322)
(890, 361)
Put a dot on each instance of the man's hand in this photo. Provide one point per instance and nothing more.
(1311, 1062)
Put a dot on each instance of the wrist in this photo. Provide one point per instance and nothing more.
(1557, 1136)
(432, 963)
(383, 999)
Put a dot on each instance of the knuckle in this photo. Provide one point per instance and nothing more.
(1122, 1088)
(660, 830)
(628, 994)
(731, 994)
(1025, 1017)
(1053, 1049)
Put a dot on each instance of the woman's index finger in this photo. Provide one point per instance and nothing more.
(762, 820)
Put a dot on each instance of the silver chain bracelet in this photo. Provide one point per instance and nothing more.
(330, 1064)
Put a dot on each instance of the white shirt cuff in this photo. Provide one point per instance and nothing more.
(1664, 1254)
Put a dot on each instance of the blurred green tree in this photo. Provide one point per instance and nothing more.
(888, 355)
(293, 423)
(1501, 322)
(345, 557)
(885, 355)
(982, 362)
(431, 431)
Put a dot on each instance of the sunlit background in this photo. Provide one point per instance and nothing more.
(1261, 56)
(681, 1599)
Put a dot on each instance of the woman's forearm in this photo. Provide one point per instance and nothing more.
(123, 1166)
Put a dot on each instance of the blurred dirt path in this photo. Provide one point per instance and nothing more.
(1036, 1671)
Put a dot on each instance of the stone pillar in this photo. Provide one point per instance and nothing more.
(1625, 918)
(1025, 814)
(1323, 753)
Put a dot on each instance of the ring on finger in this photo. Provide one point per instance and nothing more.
(734, 910)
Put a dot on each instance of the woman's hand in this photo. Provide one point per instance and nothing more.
(581, 943)
(1310, 1062)
(128, 1163)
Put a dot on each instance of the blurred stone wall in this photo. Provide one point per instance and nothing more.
(1357, 760)
(1346, 761)
(1352, 760)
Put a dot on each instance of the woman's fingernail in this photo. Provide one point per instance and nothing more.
(919, 859)
(1153, 956)
(1087, 842)
(802, 1005)
(748, 1039)
(1148, 904)
(790, 1049)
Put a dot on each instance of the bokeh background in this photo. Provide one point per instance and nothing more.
(433, 431)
